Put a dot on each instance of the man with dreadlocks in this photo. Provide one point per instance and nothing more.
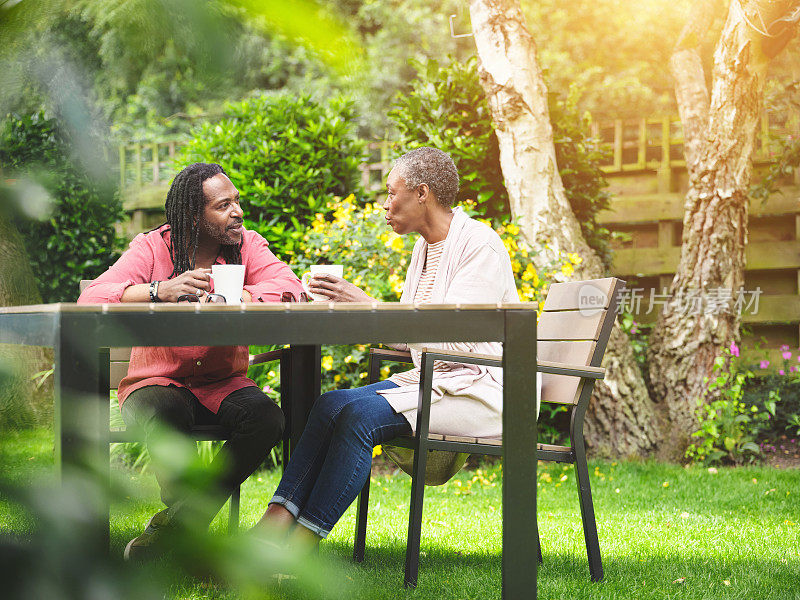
(181, 386)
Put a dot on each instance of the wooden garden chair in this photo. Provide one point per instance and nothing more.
(573, 331)
(117, 360)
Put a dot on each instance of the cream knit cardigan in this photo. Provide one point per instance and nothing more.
(474, 269)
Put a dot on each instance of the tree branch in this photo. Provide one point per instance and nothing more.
(691, 91)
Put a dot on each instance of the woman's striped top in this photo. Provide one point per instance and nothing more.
(423, 296)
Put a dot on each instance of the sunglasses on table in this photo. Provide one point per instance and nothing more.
(220, 299)
(210, 298)
(290, 297)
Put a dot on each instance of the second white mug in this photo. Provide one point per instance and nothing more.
(337, 270)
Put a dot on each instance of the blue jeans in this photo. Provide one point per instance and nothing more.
(332, 461)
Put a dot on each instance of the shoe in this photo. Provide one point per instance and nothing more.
(150, 542)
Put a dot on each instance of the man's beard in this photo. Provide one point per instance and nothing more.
(221, 235)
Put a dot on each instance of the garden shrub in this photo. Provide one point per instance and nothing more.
(287, 155)
(78, 240)
(447, 109)
(783, 379)
(729, 427)
(579, 156)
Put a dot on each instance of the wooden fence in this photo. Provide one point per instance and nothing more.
(649, 229)
(657, 144)
(633, 145)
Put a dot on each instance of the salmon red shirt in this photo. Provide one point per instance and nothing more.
(210, 373)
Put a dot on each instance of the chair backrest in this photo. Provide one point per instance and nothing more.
(574, 328)
(120, 357)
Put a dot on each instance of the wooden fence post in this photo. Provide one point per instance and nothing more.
(138, 169)
(122, 181)
(665, 170)
(641, 157)
(156, 165)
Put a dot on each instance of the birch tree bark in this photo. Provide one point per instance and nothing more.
(720, 140)
(621, 419)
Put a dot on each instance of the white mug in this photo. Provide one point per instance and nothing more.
(337, 270)
(228, 281)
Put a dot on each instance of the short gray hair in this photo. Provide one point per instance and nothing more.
(432, 167)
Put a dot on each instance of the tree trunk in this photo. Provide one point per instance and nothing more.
(21, 403)
(686, 341)
(621, 419)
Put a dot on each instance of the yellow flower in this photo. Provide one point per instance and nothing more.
(327, 362)
(396, 284)
(574, 258)
(512, 229)
(376, 451)
(397, 244)
(337, 378)
(528, 273)
(567, 269)
(510, 244)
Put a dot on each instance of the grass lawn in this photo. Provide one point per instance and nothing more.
(665, 531)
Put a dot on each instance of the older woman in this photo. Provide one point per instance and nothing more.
(455, 260)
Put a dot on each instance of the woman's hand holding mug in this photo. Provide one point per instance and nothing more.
(325, 284)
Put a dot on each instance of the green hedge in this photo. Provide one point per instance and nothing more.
(77, 241)
(288, 156)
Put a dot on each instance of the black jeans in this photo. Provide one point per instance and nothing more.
(255, 424)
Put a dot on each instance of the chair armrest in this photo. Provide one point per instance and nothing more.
(265, 357)
(379, 355)
(459, 356)
(493, 360)
(383, 355)
(573, 370)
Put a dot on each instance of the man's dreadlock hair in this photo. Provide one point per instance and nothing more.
(184, 208)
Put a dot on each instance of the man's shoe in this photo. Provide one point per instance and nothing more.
(152, 541)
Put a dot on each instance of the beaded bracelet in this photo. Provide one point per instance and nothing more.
(154, 291)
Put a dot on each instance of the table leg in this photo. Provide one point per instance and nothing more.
(304, 381)
(81, 426)
(519, 455)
